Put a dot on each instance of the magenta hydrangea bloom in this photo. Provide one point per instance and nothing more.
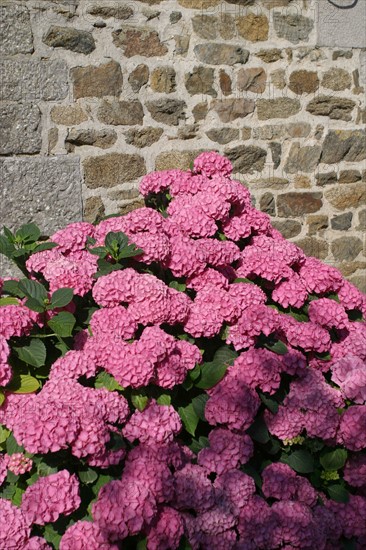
(234, 488)
(328, 313)
(155, 424)
(257, 523)
(50, 496)
(296, 526)
(85, 535)
(3, 467)
(226, 452)
(14, 321)
(258, 368)
(211, 164)
(349, 373)
(282, 483)
(6, 372)
(73, 237)
(290, 292)
(166, 531)
(355, 471)
(352, 429)
(193, 489)
(319, 277)
(15, 528)
(350, 515)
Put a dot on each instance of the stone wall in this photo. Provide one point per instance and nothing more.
(95, 93)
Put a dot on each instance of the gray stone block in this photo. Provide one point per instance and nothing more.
(46, 191)
(33, 80)
(21, 129)
(341, 28)
(15, 30)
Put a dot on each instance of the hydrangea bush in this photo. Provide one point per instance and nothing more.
(180, 377)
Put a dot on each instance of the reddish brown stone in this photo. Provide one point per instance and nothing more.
(297, 204)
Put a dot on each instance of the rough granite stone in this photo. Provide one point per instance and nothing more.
(97, 81)
(282, 107)
(223, 135)
(347, 145)
(103, 139)
(205, 26)
(302, 182)
(175, 16)
(112, 169)
(169, 160)
(276, 150)
(46, 191)
(187, 131)
(326, 178)
(69, 38)
(349, 176)
(346, 54)
(226, 25)
(360, 282)
(294, 28)
(112, 111)
(288, 228)
(347, 196)
(52, 139)
(220, 54)
(21, 130)
(252, 80)
(117, 12)
(342, 222)
(162, 80)
(143, 137)
(198, 4)
(272, 182)
(253, 27)
(246, 133)
(282, 131)
(317, 223)
(312, 246)
(139, 77)
(267, 204)
(167, 111)
(278, 79)
(93, 210)
(68, 115)
(247, 159)
(336, 79)
(15, 30)
(200, 111)
(225, 83)
(302, 158)
(362, 220)
(30, 81)
(200, 81)
(338, 108)
(348, 268)
(270, 56)
(139, 41)
(296, 204)
(346, 248)
(304, 82)
(129, 207)
(231, 109)
(181, 44)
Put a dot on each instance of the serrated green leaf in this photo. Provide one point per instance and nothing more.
(338, 493)
(6, 248)
(23, 383)
(189, 418)
(130, 251)
(225, 355)
(33, 289)
(44, 469)
(17, 496)
(199, 404)
(211, 374)
(11, 287)
(62, 324)
(270, 403)
(301, 461)
(61, 297)
(164, 399)
(4, 434)
(106, 380)
(48, 245)
(278, 347)
(139, 401)
(100, 251)
(334, 460)
(8, 234)
(28, 233)
(12, 445)
(9, 301)
(88, 476)
(34, 354)
(51, 535)
(35, 305)
(114, 241)
(259, 432)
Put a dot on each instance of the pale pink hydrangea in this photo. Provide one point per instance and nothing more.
(193, 489)
(355, 470)
(6, 372)
(114, 322)
(38, 261)
(19, 464)
(15, 528)
(258, 368)
(328, 313)
(290, 292)
(308, 336)
(226, 452)
(282, 483)
(155, 424)
(352, 429)
(51, 496)
(211, 164)
(320, 278)
(85, 535)
(73, 236)
(123, 508)
(234, 488)
(14, 321)
(349, 373)
(233, 404)
(166, 530)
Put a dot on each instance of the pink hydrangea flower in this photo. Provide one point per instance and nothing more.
(328, 313)
(352, 429)
(19, 464)
(155, 424)
(296, 526)
(73, 237)
(14, 321)
(355, 471)
(257, 523)
(211, 164)
(307, 336)
(351, 297)
(234, 488)
(3, 467)
(255, 320)
(166, 531)
(320, 278)
(290, 292)
(351, 515)
(85, 535)
(50, 496)
(15, 528)
(226, 452)
(258, 368)
(6, 372)
(282, 483)
(193, 489)
(115, 322)
(349, 373)
(37, 543)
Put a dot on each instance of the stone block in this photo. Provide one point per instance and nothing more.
(225, 83)
(97, 81)
(296, 204)
(15, 29)
(68, 115)
(162, 80)
(304, 82)
(252, 80)
(30, 81)
(311, 246)
(139, 77)
(200, 111)
(115, 11)
(270, 56)
(316, 223)
(247, 159)
(267, 204)
(93, 210)
(336, 79)
(347, 145)
(143, 137)
(112, 169)
(338, 108)
(223, 135)
(342, 222)
(294, 28)
(169, 160)
(167, 111)
(346, 248)
(282, 107)
(69, 38)
(302, 158)
(20, 129)
(200, 81)
(46, 191)
(139, 41)
(103, 138)
(112, 111)
(347, 196)
(221, 54)
(288, 228)
(253, 27)
(205, 26)
(231, 109)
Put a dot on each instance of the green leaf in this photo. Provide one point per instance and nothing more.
(22, 383)
(9, 301)
(44, 246)
(88, 476)
(61, 297)
(177, 286)
(12, 446)
(34, 354)
(11, 287)
(28, 233)
(33, 289)
(334, 460)
(62, 324)
(334, 297)
(211, 374)
(142, 544)
(17, 496)
(164, 399)
(301, 461)
(225, 355)
(114, 241)
(34, 305)
(44, 469)
(106, 380)
(4, 434)
(258, 431)
(8, 492)
(139, 401)
(338, 493)
(6, 248)
(51, 535)
(2, 398)
(271, 404)
(62, 346)
(8, 234)
(130, 251)
(243, 280)
(199, 404)
(100, 251)
(278, 347)
(189, 418)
